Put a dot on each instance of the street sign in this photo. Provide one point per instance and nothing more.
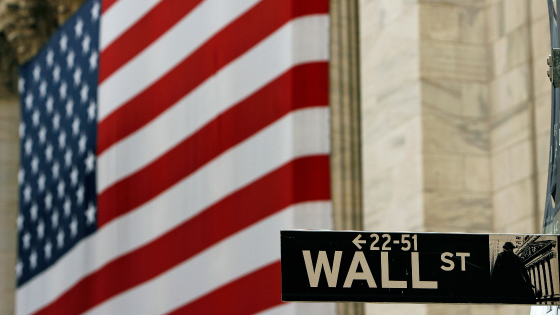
(358, 266)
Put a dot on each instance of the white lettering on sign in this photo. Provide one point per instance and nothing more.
(416, 282)
(385, 281)
(463, 264)
(445, 260)
(353, 274)
(359, 261)
(451, 264)
(314, 273)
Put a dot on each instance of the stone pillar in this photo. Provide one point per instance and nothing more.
(542, 279)
(346, 180)
(535, 274)
(553, 264)
(532, 274)
(9, 164)
(455, 118)
(391, 124)
(548, 277)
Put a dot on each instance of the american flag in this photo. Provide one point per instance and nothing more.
(164, 145)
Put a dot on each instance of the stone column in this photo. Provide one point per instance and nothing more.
(455, 118)
(9, 163)
(553, 263)
(391, 124)
(542, 279)
(535, 275)
(346, 180)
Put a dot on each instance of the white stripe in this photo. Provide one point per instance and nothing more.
(282, 309)
(167, 51)
(301, 309)
(299, 134)
(234, 257)
(217, 94)
(121, 16)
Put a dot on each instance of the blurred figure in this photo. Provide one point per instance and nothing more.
(509, 277)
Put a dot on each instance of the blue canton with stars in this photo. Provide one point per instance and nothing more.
(58, 90)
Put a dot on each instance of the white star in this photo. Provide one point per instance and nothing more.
(19, 268)
(33, 259)
(54, 220)
(82, 144)
(48, 250)
(35, 164)
(84, 93)
(91, 110)
(20, 220)
(48, 200)
(60, 238)
(79, 27)
(77, 76)
(50, 104)
(35, 117)
(90, 162)
(85, 44)
(95, 11)
(63, 90)
(74, 176)
(80, 195)
(74, 227)
(26, 240)
(21, 83)
(60, 188)
(68, 157)
(42, 134)
(90, 214)
(49, 152)
(21, 176)
(56, 121)
(41, 182)
(29, 101)
(21, 129)
(69, 107)
(28, 146)
(93, 61)
(76, 126)
(63, 43)
(70, 59)
(50, 58)
(41, 230)
(34, 210)
(56, 74)
(27, 193)
(43, 88)
(62, 140)
(36, 73)
(55, 170)
(67, 206)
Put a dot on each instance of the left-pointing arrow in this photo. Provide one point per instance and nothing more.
(357, 241)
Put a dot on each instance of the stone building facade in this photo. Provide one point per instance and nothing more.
(440, 120)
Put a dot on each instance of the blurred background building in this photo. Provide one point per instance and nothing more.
(440, 120)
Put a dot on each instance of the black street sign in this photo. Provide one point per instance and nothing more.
(319, 266)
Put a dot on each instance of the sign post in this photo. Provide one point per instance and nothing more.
(357, 266)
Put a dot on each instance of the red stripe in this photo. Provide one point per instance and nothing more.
(228, 44)
(304, 179)
(106, 4)
(144, 32)
(250, 294)
(303, 86)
